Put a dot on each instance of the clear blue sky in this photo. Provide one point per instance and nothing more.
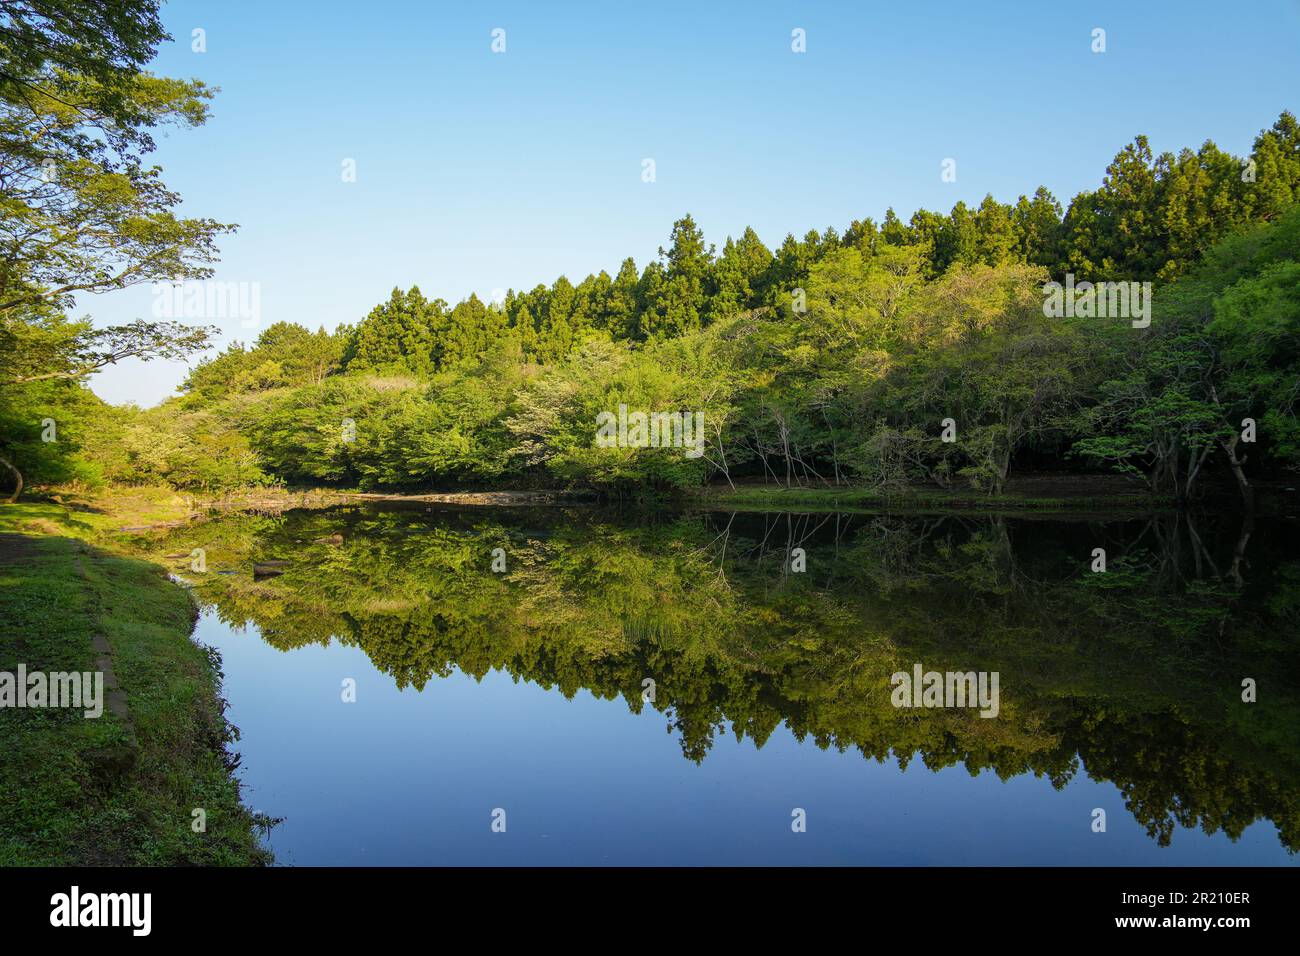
(478, 171)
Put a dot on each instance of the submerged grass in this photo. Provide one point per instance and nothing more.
(764, 497)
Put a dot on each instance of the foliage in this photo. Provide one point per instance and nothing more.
(80, 209)
(885, 355)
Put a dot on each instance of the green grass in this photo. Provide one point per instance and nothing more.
(96, 517)
(76, 791)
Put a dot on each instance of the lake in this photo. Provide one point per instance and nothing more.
(512, 686)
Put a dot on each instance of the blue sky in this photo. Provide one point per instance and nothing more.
(478, 171)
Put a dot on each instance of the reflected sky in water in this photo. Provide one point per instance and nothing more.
(407, 776)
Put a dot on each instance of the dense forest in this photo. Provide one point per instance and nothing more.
(888, 354)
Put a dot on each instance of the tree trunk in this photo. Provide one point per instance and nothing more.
(18, 480)
(1239, 552)
(785, 450)
(1230, 449)
(1235, 463)
(722, 465)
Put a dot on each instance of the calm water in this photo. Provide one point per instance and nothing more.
(523, 690)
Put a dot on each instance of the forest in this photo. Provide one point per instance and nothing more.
(1050, 438)
(885, 355)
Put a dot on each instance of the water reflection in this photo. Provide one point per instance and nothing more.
(744, 623)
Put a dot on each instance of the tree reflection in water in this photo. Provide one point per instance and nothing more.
(1133, 676)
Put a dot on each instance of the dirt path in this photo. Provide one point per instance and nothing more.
(15, 548)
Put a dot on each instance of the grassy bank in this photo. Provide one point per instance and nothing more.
(119, 789)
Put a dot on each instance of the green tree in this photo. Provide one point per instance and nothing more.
(76, 113)
(402, 334)
(80, 211)
(678, 303)
(1275, 175)
(1037, 224)
(619, 316)
(738, 275)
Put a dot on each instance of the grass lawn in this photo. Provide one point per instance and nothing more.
(104, 791)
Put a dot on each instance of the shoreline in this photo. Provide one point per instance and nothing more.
(121, 789)
(1043, 495)
(114, 511)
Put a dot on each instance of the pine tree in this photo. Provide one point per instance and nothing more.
(400, 334)
(995, 240)
(738, 275)
(1275, 178)
(1037, 224)
(679, 302)
(619, 317)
